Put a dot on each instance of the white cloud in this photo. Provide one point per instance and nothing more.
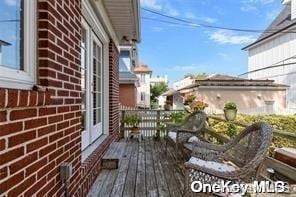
(153, 4)
(224, 56)
(251, 5)
(160, 5)
(187, 68)
(228, 37)
(190, 15)
(11, 2)
(208, 19)
(157, 29)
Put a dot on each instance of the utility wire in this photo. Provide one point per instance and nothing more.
(9, 21)
(193, 24)
(275, 65)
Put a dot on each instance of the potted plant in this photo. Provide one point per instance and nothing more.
(133, 121)
(230, 111)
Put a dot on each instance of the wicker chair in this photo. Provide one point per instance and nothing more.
(237, 161)
(178, 134)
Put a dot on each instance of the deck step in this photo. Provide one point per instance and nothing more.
(113, 155)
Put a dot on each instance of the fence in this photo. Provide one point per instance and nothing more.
(152, 121)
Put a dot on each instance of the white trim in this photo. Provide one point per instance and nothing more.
(16, 79)
(96, 29)
(86, 152)
(242, 88)
(94, 10)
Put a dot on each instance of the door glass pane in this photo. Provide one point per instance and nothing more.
(11, 34)
(97, 84)
(83, 69)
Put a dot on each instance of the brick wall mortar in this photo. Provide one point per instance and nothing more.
(51, 119)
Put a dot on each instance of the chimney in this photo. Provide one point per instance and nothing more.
(292, 4)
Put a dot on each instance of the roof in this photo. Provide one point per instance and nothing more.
(124, 18)
(141, 68)
(225, 80)
(282, 21)
(170, 92)
(4, 43)
(127, 78)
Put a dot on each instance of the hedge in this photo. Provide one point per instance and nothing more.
(279, 122)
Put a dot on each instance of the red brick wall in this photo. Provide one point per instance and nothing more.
(41, 129)
(114, 88)
(128, 95)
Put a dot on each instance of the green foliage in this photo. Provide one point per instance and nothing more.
(132, 120)
(200, 76)
(189, 99)
(230, 105)
(157, 90)
(231, 130)
(177, 117)
(279, 122)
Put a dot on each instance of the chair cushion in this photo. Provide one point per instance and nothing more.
(222, 167)
(193, 139)
(173, 135)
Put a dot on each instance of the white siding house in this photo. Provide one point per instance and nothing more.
(273, 55)
(143, 90)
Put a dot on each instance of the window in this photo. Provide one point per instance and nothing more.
(92, 85)
(142, 96)
(142, 79)
(17, 32)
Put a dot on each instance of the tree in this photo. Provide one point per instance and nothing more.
(199, 76)
(157, 90)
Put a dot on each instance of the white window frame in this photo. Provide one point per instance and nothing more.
(17, 79)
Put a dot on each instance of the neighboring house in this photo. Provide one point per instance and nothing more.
(128, 81)
(159, 79)
(217, 89)
(155, 80)
(174, 99)
(273, 55)
(143, 91)
(183, 83)
(59, 102)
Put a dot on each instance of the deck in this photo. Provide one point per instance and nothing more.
(145, 169)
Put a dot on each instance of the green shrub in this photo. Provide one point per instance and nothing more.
(177, 117)
(279, 122)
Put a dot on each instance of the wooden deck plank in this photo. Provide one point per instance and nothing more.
(145, 169)
(168, 166)
(141, 172)
(151, 187)
(119, 183)
(130, 183)
(98, 184)
(162, 186)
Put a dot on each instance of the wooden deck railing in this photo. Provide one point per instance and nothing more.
(152, 121)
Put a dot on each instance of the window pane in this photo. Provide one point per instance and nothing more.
(11, 39)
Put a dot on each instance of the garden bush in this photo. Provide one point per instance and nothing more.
(279, 122)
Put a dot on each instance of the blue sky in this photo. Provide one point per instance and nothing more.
(176, 50)
(10, 32)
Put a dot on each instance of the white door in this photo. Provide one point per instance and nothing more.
(91, 82)
(96, 89)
